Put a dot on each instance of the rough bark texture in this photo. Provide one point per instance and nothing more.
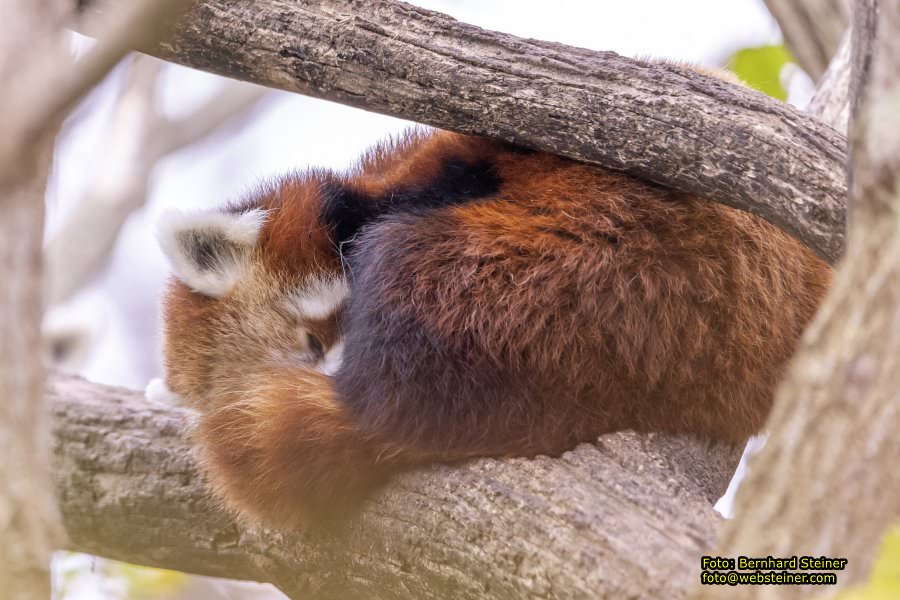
(812, 30)
(665, 123)
(824, 484)
(626, 518)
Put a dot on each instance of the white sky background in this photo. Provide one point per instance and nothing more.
(293, 132)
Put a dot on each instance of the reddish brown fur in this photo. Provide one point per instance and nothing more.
(259, 446)
(575, 302)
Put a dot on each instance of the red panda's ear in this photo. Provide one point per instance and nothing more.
(209, 250)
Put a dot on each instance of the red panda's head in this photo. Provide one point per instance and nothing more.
(256, 286)
(262, 284)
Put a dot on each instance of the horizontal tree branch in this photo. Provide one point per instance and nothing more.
(627, 517)
(665, 123)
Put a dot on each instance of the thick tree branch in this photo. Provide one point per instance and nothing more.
(665, 123)
(628, 517)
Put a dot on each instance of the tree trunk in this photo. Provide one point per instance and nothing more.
(824, 484)
(40, 82)
(29, 520)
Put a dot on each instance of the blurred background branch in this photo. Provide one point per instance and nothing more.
(831, 100)
(49, 82)
(138, 135)
(40, 83)
(812, 30)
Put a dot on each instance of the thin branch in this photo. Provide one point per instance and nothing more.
(831, 101)
(627, 517)
(812, 30)
(52, 68)
(662, 122)
(138, 136)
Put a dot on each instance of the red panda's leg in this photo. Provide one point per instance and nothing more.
(286, 454)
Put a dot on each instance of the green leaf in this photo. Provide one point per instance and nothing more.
(145, 582)
(760, 68)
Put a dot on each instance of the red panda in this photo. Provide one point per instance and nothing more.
(452, 297)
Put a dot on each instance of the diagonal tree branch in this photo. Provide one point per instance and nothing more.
(812, 30)
(831, 101)
(628, 517)
(138, 137)
(52, 68)
(661, 122)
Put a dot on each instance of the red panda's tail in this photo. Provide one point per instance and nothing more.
(286, 453)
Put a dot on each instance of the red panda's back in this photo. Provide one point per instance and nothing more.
(597, 298)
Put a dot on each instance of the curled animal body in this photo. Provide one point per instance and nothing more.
(453, 297)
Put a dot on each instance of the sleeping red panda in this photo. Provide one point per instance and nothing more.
(454, 297)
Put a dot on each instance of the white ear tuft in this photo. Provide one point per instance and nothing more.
(209, 250)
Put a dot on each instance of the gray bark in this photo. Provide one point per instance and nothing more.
(665, 123)
(812, 30)
(628, 517)
(825, 480)
(29, 522)
(831, 101)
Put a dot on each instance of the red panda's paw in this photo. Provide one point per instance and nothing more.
(287, 456)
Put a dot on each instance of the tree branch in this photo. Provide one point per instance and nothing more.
(812, 30)
(639, 506)
(138, 137)
(51, 68)
(823, 481)
(665, 123)
(831, 101)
